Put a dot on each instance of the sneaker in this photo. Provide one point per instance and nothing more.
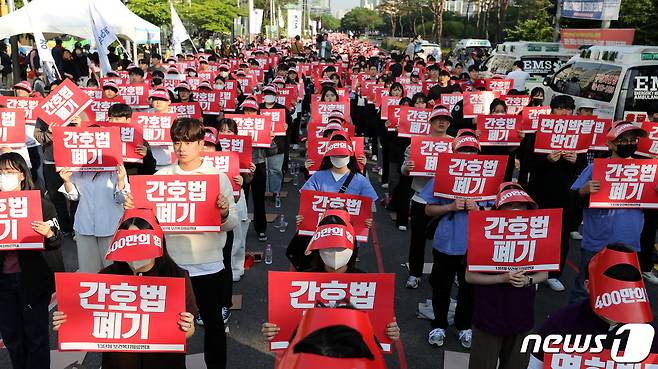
(402, 228)
(385, 186)
(236, 277)
(373, 158)
(262, 237)
(380, 172)
(413, 282)
(198, 320)
(575, 235)
(436, 337)
(226, 314)
(555, 284)
(650, 277)
(466, 338)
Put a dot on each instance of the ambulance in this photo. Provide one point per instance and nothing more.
(620, 82)
(540, 59)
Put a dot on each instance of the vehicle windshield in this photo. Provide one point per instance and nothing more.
(588, 80)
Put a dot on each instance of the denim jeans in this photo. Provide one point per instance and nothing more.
(274, 173)
(579, 293)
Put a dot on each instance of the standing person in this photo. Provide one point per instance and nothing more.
(58, 55)
(81, 61)
(5, 62)
(122, 113)
(156, 262)
(275, 163)
(440, 120)
(442, 87)
(160, 101)
(324, 49)
(201, 253)
(498, 326)
(297, 47)
(605, 226)
(449, 251)
(26, 281)
(518, 75)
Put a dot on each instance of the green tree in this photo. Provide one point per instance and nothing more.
(154, 11)
(534, 22)
(360, 20)
(205, 15)
(329, 22)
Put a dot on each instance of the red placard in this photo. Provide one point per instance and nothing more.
(290, 294)
(287, 96)
(393, 114)
(450, 100)
(94, 93)
(131, 137)
(187, 110)
(317, 147)
(414, 121)
(226, 162)
(258, 127)
(515, 103)
(240, 145)
(589, 360)
(26, 104)
(564, 133)
(499, 130)
(209, 101)
(625, 183)
(386, 102)
(278, 120)
(411, 89)
(424, 153)
(121, 313)
(82, 149)
(600, 131)
(97, 110)
(156, 127)
(116, 80)
(320, 110)
(531, 116)
(18, 209)
(470, 176)
(648, 146)
(499, 85)
(12, 128)
(312, 205)
(316, 130)
(135, 95)
(574, 38)
(501, 241)
(182, 203)
(635, 116)
(64, 102)
(478, 102)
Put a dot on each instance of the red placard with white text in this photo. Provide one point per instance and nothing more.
(135, 95)
(12, 128)
(182, 203)
(410, 89)
(18, 209)
(393, 115)
(625, 183)
(476, 177)
(531, 116)
(312, 204)
(499, 130)
(227, 100)
(25, 104)
(278, 120)
(94, 93)
(156, 127)
(83, 149)
(648, 146)
(97, 111)
(501, 241)
(226, 162)
(288, 95)
(498, 85)
(290, 294)
(564, 133)
(317, 147)
(316, 130)
(62, 104)
(209, 102)
(258, 127)
(600, 132)
(450, 100)
(131, 137)
(478, 102)
(588, 360)
(321, 110)
(240, 145)
(186, 110)
(386, 102)
(515, 103)
(414, 121)
(120, 313)
(424, 153)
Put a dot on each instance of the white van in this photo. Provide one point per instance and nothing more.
(468, 45)
(616, 80)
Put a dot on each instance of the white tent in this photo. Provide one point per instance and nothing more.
(72, 17)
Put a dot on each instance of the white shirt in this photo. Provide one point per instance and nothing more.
(519, 77)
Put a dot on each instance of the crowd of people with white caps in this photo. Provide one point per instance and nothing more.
(494, 311)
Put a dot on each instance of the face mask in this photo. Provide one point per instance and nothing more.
(191, 74)
(335, 259)
(137, 264)
(157, 81)
(269, 99)
(339, 162)
(218, 86)
(626, 150)
(9, 182)
(537, 102)
(223, 74)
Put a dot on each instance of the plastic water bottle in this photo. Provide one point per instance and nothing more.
(282, 224)
(277, 200)
(268, 254)
(295, 173)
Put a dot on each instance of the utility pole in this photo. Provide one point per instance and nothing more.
(558, 16)
(7, 8)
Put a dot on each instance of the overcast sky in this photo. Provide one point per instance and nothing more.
(345, 4)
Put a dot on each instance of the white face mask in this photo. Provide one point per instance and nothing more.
(335, 258)
(218, 86)
(9, 182)
(269, 99)
(339, 161)
(223, 74)
(137, 264)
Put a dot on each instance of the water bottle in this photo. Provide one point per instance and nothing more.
(268, 254)
(295, 173)
(277, 200)
(282, 224)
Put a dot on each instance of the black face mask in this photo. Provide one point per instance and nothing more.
(626, 150)
(537, 102)
(157, 81)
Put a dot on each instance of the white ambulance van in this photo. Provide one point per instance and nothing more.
(540, 59)
(619, 81)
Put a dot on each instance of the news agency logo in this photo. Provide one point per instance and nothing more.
(637, 348)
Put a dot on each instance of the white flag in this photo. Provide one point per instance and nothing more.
(256, 21)
(179, 34)
(294, 22)
(49, 67)
(281, 20)
(104, 37)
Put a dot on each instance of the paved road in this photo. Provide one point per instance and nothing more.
(386, 252)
